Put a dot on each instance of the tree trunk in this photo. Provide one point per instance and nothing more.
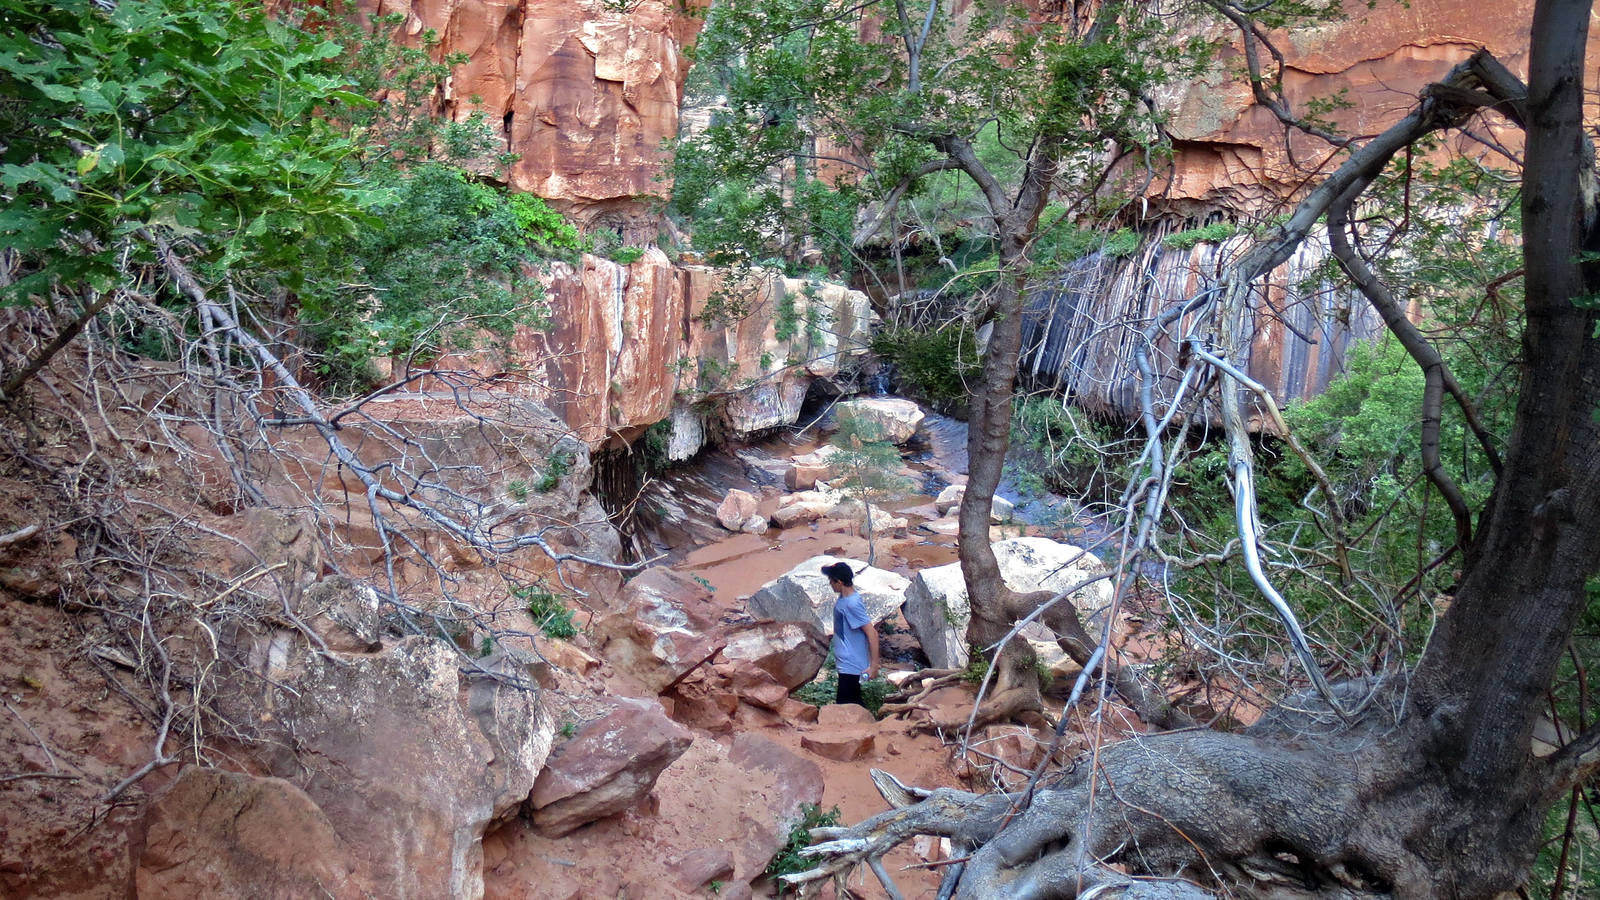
(1015, 684)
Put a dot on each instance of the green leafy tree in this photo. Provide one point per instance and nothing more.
(1434, 777)
(823, 119)
(868, 464)
(251, 145)
(196, 121)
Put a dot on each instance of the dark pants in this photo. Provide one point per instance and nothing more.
(849, 690)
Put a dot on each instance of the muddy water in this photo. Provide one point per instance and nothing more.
(684, 529)
(678, 519)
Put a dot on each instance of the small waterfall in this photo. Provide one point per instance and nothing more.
(1080, 330)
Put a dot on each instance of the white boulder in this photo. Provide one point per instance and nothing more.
(936, 605)
(802, 594)
(883, 418)
(949, 499)
(805, 506)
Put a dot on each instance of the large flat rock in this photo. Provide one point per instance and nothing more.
(802, 594)
(936, 605)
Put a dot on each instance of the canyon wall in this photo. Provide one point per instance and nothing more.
(587, 91)
(1300, 336)
(1233, 160)
(1233, 155)
(712, 352)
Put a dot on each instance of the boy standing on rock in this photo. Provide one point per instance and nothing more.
(855, 641)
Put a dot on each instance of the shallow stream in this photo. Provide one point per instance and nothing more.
(678, 512)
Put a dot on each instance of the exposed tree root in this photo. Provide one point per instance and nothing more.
(1255, 816)
(1005, 705)
(929, 680)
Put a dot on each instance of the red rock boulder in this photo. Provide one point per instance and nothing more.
(607, 767)
(228, 836)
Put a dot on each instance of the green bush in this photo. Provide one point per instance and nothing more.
(626, 256)
(560, 464)
(789, 861)
(818, 693)
(449, 256)
(936, 366)
(1214, 233)
(549, 612)
(822, 693)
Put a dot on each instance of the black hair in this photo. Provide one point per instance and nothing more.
(841, 573)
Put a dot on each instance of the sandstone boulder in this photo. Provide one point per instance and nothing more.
(749, 680)
(655, 655)
(856, 511)
(788, 783)
(343, 613)
(949, 499)
(791, 652)
(409, 759)
(701, 866)
(756, 524)
(804, 507)
(845, 715)
(802, 594)
(664, 630)
(751, 684)
(882, 418)
(847, 745)
(936, 605)
(565, 655)
(666, 595)
(807, 469)
(737, 508)
(228, 836)
(607, 767)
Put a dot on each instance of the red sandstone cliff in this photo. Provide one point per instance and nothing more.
(586, 91)
(1234, 155)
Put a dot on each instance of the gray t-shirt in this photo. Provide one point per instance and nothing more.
(850, 650)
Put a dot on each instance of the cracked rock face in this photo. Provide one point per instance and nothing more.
(231, 836)
(631, 345)
(1232, 153)
(407, 759)
(585, 92)
(410, 764)
(608, 766)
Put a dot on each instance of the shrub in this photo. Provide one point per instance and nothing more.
(549, 612)
(560, 464)
(789, 861)
(626, 256)
(934, 365)
(821, 693)
(1214, 233)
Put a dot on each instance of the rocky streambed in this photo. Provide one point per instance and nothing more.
(712, 641)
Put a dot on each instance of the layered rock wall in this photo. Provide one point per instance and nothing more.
(709, 351)
(1299, 343)
(586, 91)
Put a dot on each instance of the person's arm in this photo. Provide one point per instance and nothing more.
(872, 646)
